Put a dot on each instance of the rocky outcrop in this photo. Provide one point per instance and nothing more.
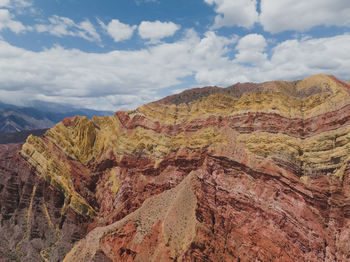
(35, 223)
(252, 172)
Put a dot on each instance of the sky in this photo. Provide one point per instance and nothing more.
(120, 54)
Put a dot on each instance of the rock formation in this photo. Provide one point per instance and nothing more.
(252, 172)
(36, 224)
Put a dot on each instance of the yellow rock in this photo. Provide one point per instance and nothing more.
(91, 141)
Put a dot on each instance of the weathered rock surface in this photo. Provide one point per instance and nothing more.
(35, 223)
(253, 172)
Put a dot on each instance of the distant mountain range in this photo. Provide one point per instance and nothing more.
(39, 115)
(20, 137)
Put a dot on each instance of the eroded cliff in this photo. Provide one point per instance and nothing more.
(244, 173)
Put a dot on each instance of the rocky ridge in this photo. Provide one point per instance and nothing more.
(245, 173)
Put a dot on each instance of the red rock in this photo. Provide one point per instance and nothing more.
(258, 185)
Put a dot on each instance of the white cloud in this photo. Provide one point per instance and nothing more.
(234, 12)
(15, 3)
(157, 30)
(281, 15)
(62, 26)
(7, 22)
(118, 79)
(251, 49)
(88, 31)
(295, 58)
(18, 6)
(289, 60)
(127, 79)
(118, 31)
(4, 3)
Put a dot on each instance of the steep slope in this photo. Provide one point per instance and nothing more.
(252, 172)
(35, 223)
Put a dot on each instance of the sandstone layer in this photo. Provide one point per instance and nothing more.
(252, 172)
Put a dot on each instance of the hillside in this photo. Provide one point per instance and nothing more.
(252, 172)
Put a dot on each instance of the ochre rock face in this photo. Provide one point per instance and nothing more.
(252, 172)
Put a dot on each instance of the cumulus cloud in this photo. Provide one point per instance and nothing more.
(154, 31)
(312, 56)
(127, 79)
(7, 17)
(118, 79)
(118, 31)
(234, 12)
(289, 60)
(62, 26)
(7, 22)
(251, 49)
(281, 15)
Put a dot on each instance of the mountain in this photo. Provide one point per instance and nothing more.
(252, 172)
(21, 136)
(39, 115)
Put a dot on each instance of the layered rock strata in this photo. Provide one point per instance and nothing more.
(35, 223)
(252, 172)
